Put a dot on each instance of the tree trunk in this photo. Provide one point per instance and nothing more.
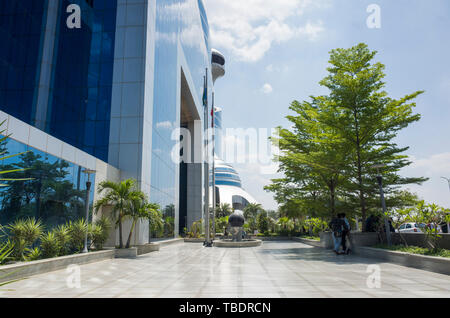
(120, 231)
(332, 198)
(362, 200)
(131, 233)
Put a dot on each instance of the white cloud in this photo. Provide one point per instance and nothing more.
(254, 182)
(164, 125)
(249, 28)
(267, 88)
(433, 167)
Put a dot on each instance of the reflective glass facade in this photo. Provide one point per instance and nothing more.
(54, 194)
(60, 80)
(71, 91)
(21, 25)
(80, 103)
(184, 23)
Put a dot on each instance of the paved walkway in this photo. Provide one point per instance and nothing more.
(276, 269)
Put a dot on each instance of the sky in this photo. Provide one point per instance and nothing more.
(277, 51)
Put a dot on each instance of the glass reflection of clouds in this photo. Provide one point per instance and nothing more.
(184, 22)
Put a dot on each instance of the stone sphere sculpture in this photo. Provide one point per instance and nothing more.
(236, 219)
(236, 222)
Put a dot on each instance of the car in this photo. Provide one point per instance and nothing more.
(416, 228)
(439, 228)
(410, 228)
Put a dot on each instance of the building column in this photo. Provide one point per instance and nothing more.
(132, 98)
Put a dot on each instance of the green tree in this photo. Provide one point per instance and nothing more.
(262, 223)
(139, 208)
(337, 138)
(118, 195)
(223, 210)
(251, 211)
(363, 114)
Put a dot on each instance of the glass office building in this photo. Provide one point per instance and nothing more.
(108, 95)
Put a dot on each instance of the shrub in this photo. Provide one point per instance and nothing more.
(262, 223)
(24, 233)
(286, 226)
(33, 255)
(6, 250)
(196, 230)
(77, 232)
(222, 224)
(33, 230)
(315, 226)
(431, 216)
(63, 237)
(99, 232)
(49, 245)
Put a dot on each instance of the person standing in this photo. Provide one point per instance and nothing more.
(345, 233)
(337, 226)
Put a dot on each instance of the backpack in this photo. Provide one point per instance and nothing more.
(337, 226)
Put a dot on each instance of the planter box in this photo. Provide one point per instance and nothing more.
(242, 244)
(429, 263)
(194, 240)
(418, 239)
(26, 269)
(169, 241)
(271, 238)
(147, 248)
(131, 252)
(308, 241)
(357, 239)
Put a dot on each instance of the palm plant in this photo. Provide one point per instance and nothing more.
(251, 210)
(99, 231)
(33, 255)
(49, 245)
(286, 225)
(5, 251)
(223, 210)
(118, 195)
(139, 208)
(77, 232)
(196, 229)
(6, 248)
(32, 230)
(24, 233)
(62, 235)
(156, 223)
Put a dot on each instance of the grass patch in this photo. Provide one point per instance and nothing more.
(416, 250)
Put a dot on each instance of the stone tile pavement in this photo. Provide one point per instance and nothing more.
(276, 269)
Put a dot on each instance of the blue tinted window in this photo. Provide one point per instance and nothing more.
(82, 81)
(80, 87)
(20, 35)
(55, 192)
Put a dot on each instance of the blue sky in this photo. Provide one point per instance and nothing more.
(277, 51)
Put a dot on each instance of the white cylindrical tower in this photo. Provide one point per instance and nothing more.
(218, 64)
